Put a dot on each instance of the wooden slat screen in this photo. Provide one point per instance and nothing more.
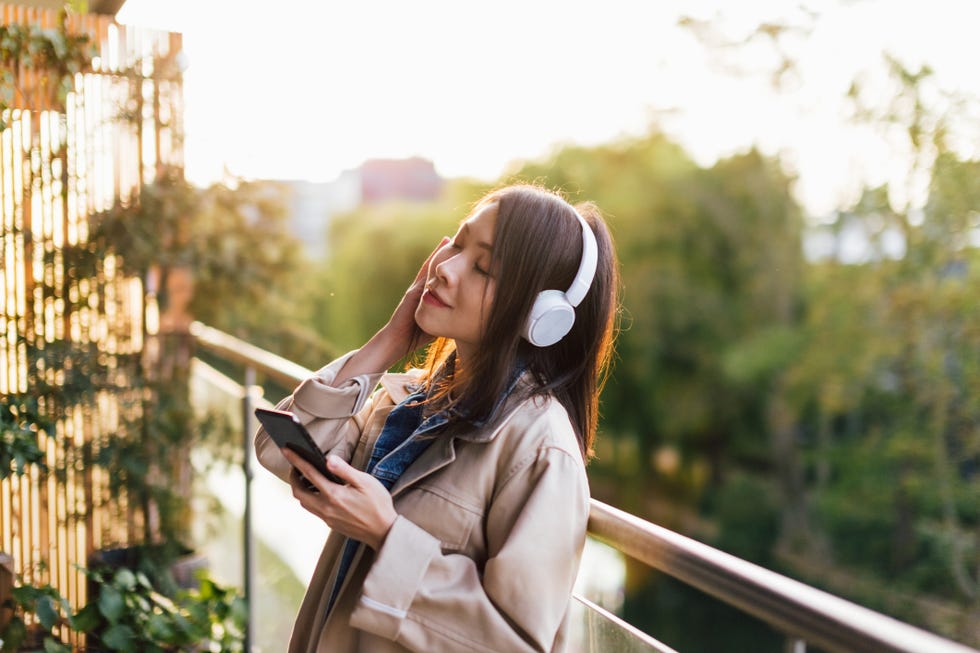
(58, 168)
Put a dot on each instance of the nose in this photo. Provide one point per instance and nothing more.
(447, 266)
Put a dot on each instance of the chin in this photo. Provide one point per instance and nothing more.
(426, 325)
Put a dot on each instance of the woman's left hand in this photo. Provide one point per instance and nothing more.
(362, 509)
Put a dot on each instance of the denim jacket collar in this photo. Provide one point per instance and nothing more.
(400, 385)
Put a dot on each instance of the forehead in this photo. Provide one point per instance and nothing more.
(481, 222)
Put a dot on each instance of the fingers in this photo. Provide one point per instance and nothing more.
(424, 270)
(343, 470)
(308, 471)
(335, 464)
(362, 509)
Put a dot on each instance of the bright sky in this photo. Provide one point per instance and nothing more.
(303, 89)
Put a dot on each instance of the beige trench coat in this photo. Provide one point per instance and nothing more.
(486, 546)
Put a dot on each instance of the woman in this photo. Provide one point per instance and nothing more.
(462, 516)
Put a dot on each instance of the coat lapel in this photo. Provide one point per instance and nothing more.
(443, 449)
(440, 453)
(400, 385)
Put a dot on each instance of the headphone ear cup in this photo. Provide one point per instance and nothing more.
(550, 320)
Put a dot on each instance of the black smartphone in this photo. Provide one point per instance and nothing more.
(286, 431)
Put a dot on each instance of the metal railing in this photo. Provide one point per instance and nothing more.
(806, 615)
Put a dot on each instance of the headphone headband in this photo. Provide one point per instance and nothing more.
(587, 267)
(553, 312)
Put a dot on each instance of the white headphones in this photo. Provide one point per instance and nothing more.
(553, 312)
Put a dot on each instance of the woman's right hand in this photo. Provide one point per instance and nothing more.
(399, 337)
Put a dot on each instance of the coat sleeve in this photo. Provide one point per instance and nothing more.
(333, 416)
(429, 601)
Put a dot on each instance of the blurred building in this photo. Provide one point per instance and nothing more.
(399, 179)
(312, 204)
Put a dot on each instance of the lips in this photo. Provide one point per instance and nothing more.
(432, 299)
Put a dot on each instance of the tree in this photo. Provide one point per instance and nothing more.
(709, 258)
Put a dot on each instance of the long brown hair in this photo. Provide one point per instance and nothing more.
(537, 246)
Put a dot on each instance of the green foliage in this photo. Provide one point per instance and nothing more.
(245, 255)
(162, 230)
(130, 615)
(712, 267)
(746, 510)
(62, 376)
(688, 620)
(889, 367)
(155, 421)
(49, 609)
(20, 421)
(57, 54)
(250, 277)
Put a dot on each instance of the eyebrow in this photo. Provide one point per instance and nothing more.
(465, 228)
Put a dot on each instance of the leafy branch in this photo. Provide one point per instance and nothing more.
(128, 614)
(56, 55)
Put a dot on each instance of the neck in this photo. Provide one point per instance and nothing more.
(464, 353)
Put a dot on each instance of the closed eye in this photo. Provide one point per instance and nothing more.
(459, 244)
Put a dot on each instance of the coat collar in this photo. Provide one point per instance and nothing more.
(443, 449)
(400, 385)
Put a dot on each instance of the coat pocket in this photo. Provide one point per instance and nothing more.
(449, 518)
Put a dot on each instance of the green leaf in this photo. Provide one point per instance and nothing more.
(14, 634)
(183, 623)
(220, 610)
(125, 579)
(111, 603)
(87, 619)
(143, 580)
(207, 589)
(120, 638)
(46, 612)
(25, 595)
(239, 610)
(160, 628)
(198, 612)
(52, 645)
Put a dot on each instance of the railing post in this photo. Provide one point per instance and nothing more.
(248, 542)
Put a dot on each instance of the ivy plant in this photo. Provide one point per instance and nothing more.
(49, 608)
(57, 54)
(20, 421)
(128, 613)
